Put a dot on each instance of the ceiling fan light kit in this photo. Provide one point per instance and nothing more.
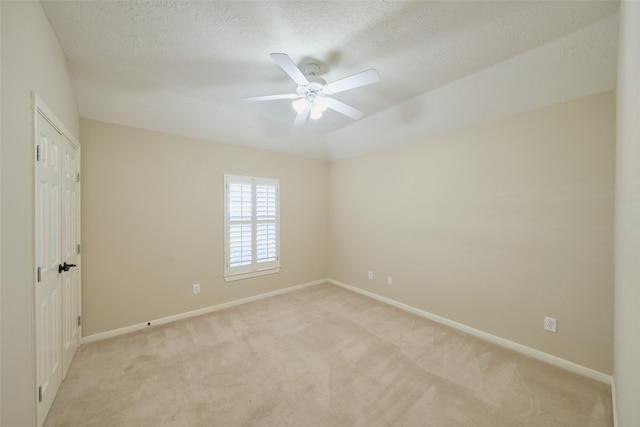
(312, 97)
(314, 101)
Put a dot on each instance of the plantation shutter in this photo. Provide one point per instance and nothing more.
(251, 226)
(266, 220)
(240, 206)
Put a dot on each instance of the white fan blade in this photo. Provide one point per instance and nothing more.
(289, 67)
(361, 79)
(345, 109)
(302, 117)
(271, 97)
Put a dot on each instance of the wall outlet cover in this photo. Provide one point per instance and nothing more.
(550, 324)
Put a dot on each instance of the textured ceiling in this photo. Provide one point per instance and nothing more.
(183, 66)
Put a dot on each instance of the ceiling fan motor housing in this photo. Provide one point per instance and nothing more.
(313, 89)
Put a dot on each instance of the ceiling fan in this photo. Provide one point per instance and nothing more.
(313, 95)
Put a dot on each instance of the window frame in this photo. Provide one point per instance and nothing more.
(256, 268)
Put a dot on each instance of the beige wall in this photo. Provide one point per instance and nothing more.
(152, 223)
(494, 226)
(627, 269)
(31, 60)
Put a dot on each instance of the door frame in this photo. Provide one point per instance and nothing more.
(39, 107)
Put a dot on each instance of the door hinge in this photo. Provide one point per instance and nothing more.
(40, 394)
(77, 176)
(37, 153)
(39, 274)
(79, 320)
(78, 248)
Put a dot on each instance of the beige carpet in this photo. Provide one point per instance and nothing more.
(321, 356)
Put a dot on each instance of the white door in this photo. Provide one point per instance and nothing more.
(48, 292)
(70, 252)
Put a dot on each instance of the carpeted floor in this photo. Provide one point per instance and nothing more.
(320, 356)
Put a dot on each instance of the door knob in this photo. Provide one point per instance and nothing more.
(65, 267)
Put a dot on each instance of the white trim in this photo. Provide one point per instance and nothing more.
(234, 277)
(522, 349)
(613, 401)
(519, 348)
(39, 105)
(193, 313)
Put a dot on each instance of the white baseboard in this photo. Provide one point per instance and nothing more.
(527, 351)
(193, 313)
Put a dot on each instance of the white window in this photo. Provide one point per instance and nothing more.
(252, 227)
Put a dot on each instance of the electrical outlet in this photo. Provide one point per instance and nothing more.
(370, 275)
(550, 324)
(196, 288)
(389, 280)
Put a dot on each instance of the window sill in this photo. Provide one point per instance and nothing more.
(234, 277)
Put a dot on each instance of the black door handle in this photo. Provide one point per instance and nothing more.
(65, 267)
